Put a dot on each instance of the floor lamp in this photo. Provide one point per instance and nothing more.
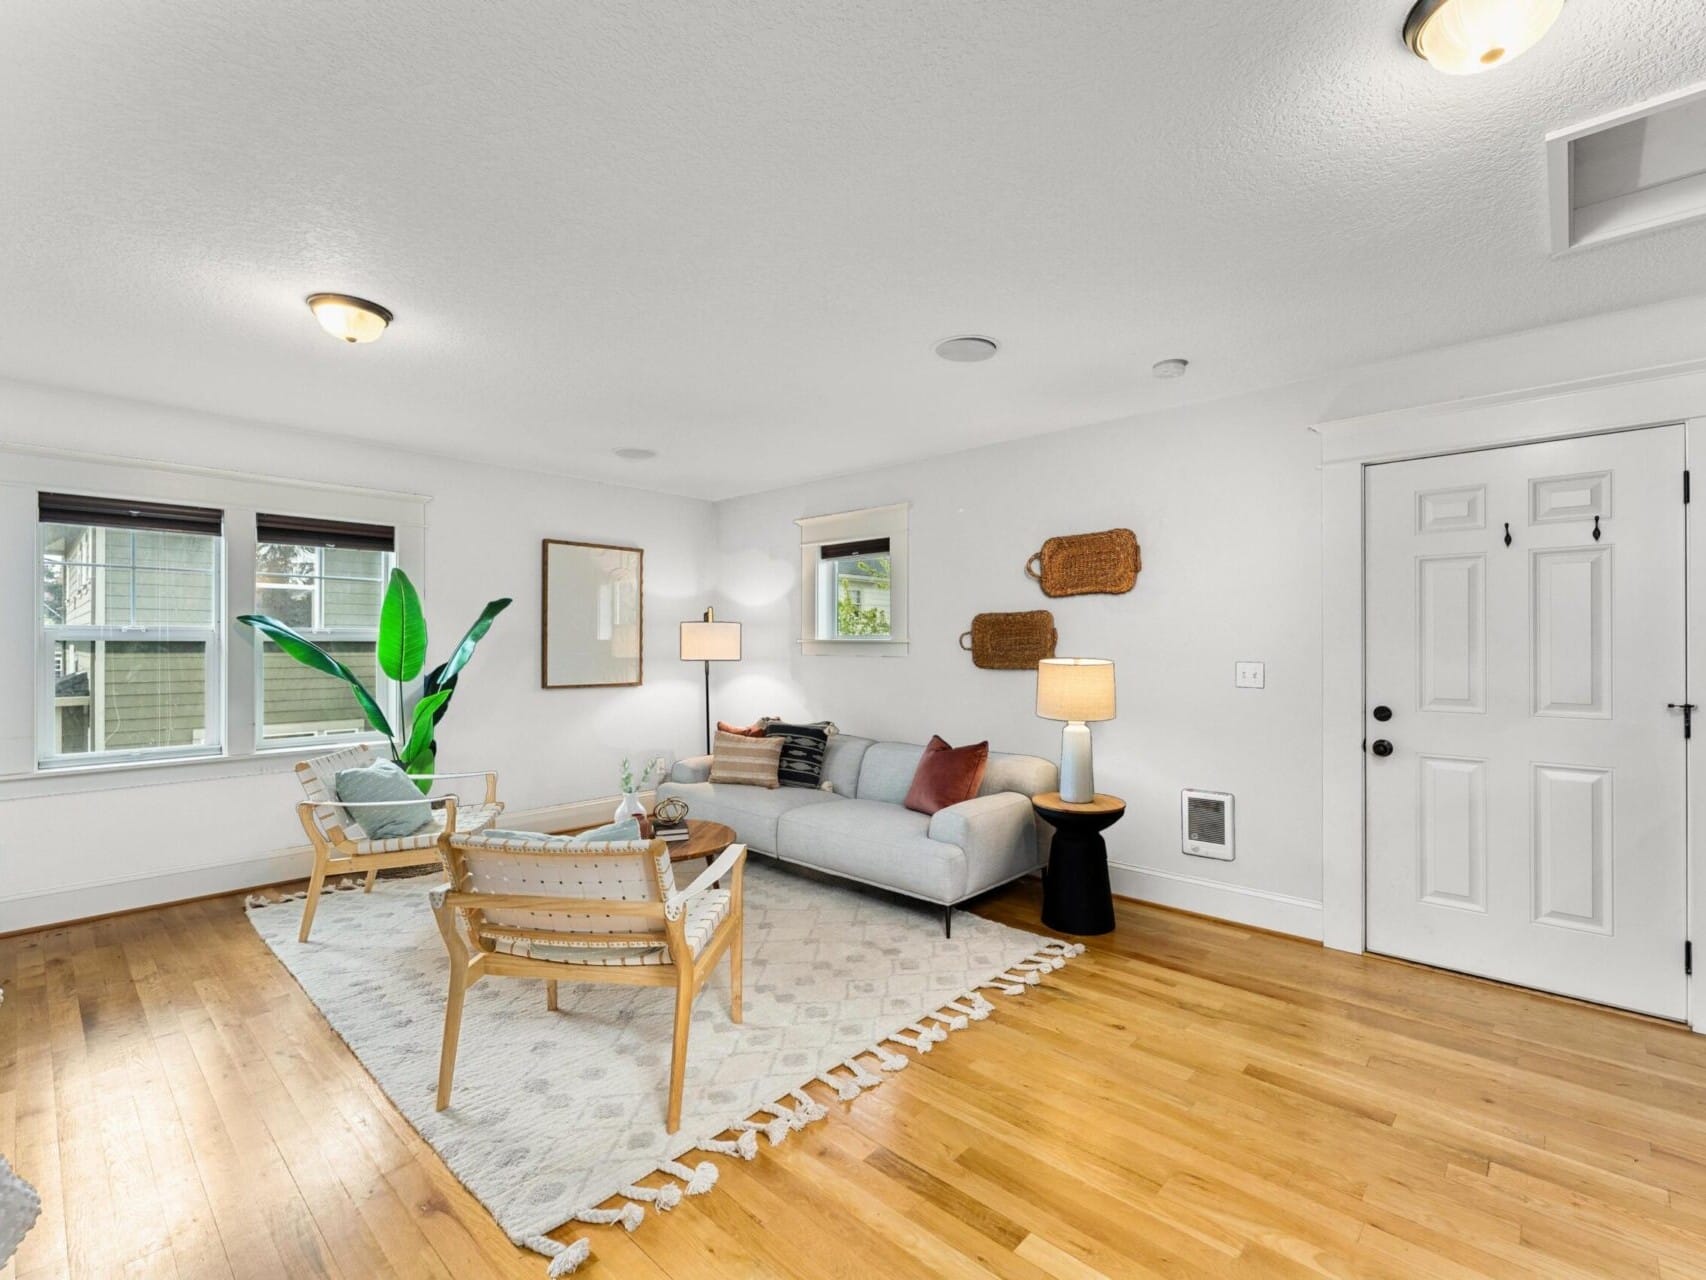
(710, 641)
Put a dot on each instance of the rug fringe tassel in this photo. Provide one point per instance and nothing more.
(886, 1060)
(565, 1258)
(630, 1215)
(745, 1146)
(664, 1198)
(695, 1181)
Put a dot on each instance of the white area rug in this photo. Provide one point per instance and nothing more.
(554, 1113)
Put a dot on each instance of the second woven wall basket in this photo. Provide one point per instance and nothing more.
(1010, 641)
(1085, 564)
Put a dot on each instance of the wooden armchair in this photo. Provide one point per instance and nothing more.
(525, 906)
(341, 846)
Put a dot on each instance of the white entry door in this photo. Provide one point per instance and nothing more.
(1526, 779)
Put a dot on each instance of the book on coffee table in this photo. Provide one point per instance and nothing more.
(671, 832)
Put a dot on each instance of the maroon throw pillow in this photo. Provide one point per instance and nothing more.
(744, 731)
(946, 775)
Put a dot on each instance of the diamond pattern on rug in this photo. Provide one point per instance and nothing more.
(553, 1113)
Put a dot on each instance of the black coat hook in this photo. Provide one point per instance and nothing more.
(1596, 528)
(1507, 533)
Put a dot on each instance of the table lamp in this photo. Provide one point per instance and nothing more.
(710, 641)
(1076, 690)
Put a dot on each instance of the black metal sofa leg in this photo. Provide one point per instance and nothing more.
(948, 921)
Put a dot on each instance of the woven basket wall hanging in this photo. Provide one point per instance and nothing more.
(1010, 641)
(1083, 564)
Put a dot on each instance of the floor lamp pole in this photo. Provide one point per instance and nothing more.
(707, 708)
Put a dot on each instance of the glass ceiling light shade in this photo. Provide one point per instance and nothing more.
(1464, 37)
(349, 319)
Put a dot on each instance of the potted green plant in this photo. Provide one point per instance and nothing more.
(402, 653)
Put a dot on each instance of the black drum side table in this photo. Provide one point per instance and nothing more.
(1076, 896)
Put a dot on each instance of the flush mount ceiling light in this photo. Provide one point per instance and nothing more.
(967, 349)
(635, 455)
(349, 319)
(1174, 368)
(1463, 37)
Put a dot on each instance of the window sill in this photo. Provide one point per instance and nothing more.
(854, 648)
(178, 771)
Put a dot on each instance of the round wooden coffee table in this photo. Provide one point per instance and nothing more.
(704, 840)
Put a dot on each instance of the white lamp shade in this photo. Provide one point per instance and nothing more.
(1075, 689)
(710, 642)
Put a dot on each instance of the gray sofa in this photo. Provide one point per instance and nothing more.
(862, 831)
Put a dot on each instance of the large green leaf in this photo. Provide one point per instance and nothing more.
(312, 655)
(444, 677)
(420, 735)
(422, 762)
(402, 630)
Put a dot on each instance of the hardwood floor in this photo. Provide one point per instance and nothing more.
(1187, 1099)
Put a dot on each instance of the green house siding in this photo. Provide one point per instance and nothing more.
(298, 699)
(152, 694)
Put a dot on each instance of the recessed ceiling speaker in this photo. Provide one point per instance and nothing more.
(967, 349)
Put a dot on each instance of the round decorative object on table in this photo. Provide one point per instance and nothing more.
(1076, 895)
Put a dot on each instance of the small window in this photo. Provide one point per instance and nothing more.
(130, 603)
(326, 581)
(853, 582)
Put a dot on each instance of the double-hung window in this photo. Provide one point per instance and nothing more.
(326, 580)
(129, 660)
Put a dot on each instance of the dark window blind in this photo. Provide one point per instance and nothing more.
(128, 513)
(864, 547)
(307, 531)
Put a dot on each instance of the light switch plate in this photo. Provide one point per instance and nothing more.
(1251, 675)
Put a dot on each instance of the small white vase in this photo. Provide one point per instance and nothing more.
(629, 808)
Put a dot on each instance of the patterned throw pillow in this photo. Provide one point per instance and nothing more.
(802, 753)
(747, 762)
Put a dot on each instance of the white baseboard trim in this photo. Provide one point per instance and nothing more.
(1258, 907)
(44, 908)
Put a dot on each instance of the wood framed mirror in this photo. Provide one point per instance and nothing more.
(592, 616)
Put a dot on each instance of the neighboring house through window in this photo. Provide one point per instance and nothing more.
(130, 604)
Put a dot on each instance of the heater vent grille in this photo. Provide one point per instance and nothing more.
(1206, 818)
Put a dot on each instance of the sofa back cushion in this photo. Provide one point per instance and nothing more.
(885, 773)
(842, 756)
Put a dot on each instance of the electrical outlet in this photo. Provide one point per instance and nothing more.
(1250, 675)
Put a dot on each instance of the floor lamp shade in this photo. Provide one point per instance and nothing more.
(710, 642)
(1076, 690)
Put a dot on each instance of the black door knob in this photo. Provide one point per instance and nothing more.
(1381, 748)
(1383, 714)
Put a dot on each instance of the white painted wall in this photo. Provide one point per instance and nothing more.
(1225, 501)
(67, 850)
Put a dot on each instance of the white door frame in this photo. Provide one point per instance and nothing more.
(1653, 398)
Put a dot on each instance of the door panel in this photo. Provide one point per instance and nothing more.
(1529, 823)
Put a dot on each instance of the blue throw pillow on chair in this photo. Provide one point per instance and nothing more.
(384, 780)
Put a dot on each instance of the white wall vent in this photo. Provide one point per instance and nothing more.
(1206, 819)
(1629, 172)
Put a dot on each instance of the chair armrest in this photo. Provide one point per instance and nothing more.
(490, 777)
(1001, 818)
(692, 769)
(726, 863)
(384, 804)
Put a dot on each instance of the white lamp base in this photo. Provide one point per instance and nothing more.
(1077, 777)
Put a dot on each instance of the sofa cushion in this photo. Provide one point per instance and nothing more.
(750, 762)
(751, 811)
(946, 775)
(841, 758)
(802, 753)
(886, 771)
(877, 842)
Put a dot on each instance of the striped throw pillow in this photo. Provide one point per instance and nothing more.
(747, 762)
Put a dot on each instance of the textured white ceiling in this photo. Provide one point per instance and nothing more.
(733, 231)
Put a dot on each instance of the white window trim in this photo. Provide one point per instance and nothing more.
(26, 471)
(889, 522)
